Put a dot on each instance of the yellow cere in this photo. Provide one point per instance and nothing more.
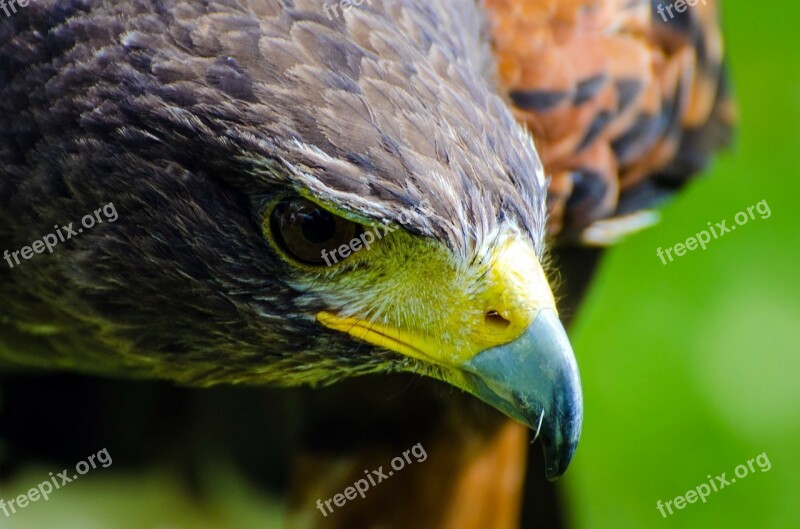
(443, 308)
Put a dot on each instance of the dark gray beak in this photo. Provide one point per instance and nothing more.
(535, 380)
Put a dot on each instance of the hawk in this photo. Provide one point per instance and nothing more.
(307, 191)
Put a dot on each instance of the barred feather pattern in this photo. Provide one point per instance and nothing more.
(625, 101)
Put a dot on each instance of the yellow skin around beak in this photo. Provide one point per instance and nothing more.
(515, 290)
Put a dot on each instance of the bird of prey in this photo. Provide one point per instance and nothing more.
(306, 191)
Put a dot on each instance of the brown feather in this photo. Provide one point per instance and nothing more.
(609, 88)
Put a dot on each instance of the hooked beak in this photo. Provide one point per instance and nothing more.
(534, 380)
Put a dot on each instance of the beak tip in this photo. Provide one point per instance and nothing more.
(535, 380)
(561, 434)
(557, 458)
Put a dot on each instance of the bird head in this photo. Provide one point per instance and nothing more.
(300, 201)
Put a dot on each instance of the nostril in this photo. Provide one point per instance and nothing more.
(495, 320)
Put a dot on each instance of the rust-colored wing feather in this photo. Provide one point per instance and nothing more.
(625, 101)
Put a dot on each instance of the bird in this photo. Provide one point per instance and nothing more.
(298, 193)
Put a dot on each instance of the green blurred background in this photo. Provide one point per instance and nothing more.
(692, 368)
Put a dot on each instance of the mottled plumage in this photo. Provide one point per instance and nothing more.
(626, 100)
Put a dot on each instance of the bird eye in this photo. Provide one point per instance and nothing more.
(307, 232)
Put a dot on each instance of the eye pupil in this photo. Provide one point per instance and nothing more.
(318, 226)
(307, 232)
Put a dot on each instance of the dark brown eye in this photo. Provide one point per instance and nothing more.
(309, 233)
